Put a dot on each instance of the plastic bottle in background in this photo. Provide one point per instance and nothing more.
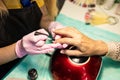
(108, 4)
(100, 2)
(117, 11)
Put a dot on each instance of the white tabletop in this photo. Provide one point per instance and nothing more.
(77, 12)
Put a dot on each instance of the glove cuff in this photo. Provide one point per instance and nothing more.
(53, 25)
(113, 50)
(20, 52)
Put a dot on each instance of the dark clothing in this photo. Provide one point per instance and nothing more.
(18, 23)
(60, 4)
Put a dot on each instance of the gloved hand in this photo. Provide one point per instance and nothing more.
(56, 25)
(34, 43)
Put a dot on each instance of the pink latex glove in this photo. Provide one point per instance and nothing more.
(34, 44)
(56, 25)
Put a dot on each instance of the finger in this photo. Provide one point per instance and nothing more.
(40, 43)
(48, 46)
(56, 45)
(68, 41)
(34, 38)
(53, 34)
(57, 36)
(65, 45)
(72, 52)
(41, 37)
(61, 46)
(40, 34)
(47, 50)
(43, 31)
(43, 51)
(64, 32)
(38, 38)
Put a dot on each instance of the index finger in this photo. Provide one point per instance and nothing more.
(67, 31)
(65, 40)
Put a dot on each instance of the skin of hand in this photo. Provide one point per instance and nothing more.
(85, 45)
(52, 8)
(46, 17)
(7, 54)
(3, 8)
(3, 13)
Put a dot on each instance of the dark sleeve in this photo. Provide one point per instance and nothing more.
(23, 21)
(18, 23)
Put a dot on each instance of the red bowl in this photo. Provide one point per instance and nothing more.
(65, 67)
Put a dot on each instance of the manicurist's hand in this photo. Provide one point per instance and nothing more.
(34, 43)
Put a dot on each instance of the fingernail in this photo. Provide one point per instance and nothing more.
(53, 30)
(65, 45)
(59, 46)
(57, 37)
(62, 51)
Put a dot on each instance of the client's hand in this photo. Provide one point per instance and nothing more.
(34, 43)
(85, 45)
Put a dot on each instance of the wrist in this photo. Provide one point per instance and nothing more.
(20, 51)
(45, 21)
(101, 48)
